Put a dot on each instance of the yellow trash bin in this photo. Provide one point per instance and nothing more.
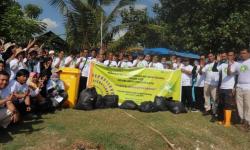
(71, 79)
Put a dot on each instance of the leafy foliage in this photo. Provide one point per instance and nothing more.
(15, 26)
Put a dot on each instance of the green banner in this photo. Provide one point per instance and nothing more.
(137, 84)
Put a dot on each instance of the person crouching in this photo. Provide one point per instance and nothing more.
(21, 92)
(56, 90)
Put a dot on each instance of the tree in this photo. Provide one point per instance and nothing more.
(32, 11)
(209, 25)
(83, 19)
(14, 26)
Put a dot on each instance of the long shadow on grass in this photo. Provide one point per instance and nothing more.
(25, 127)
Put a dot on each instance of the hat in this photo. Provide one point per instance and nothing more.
(19, 51)
(51, 52)
(55, 70)
(8, 45)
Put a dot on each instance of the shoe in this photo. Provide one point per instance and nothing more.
(194, 110)
(206, 113)
(213, 119)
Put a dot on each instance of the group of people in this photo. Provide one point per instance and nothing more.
(29, 78)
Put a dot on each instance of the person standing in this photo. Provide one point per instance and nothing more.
(243, 87)
(59, 61)
(211, 85)
(226, 95)
(186, 82)
(199, 84)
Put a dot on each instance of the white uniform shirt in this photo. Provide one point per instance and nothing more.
(177, 66)
(16, 87)
(125, 64)
(15, 65)
(200, 80)
(142, 63)
(110, 63)
(211, 78)
(186, 80)
(56, 61)
(243, 69)
(156, 65)
(227, 82)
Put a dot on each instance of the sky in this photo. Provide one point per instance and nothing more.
(55, 21)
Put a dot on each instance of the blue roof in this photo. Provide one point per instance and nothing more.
(165, 51)
(157, 51)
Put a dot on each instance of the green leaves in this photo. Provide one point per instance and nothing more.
(15, 26)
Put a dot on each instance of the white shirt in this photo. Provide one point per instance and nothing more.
(211, 78)
(70, 60)
(186, 80)
(177, 66)
(110, 64)
(16, 87)
(227, 82)
(4, 93)
(200, 80)
(125, 64)
(15, 65)
(142, 63)
(243, 69)
(156, 65)
(84, 66)
(56, 61)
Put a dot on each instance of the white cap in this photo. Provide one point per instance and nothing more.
(51, 52)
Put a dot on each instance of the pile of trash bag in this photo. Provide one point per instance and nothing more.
(90, 100)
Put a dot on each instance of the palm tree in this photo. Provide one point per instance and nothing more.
(86, 22)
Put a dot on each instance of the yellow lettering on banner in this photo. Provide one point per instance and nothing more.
(137, 84)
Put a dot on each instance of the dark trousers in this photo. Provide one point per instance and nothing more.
(186, 97)
(199, 98)
(82, 84)
(226, 101)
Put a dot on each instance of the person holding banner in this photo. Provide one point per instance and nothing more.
(125, 63)
(156, 64)
(186, 82)
(111, 61)
(141, 62)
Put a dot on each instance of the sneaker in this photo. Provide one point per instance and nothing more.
(194, 110)
(206, 113)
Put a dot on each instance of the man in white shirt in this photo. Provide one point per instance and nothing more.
(199, 84)
(8, 111)
(186, 82)
(17, 63)
(71, 60)
(243, 87)
(227, 83)
(156, 64)
(211, 85)
(82, 63)
(111, 62)
(125, 63)
(178, 64)
(141, 61)
(59, 61)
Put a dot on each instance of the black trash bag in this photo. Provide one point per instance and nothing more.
(111, 101)
(160, 103)
(176, 107)
(100, 103)
(148, 106)
(129, 104)
(87, 99)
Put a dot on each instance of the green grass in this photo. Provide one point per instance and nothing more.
(115, 130)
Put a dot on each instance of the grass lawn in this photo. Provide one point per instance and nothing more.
(115, 130)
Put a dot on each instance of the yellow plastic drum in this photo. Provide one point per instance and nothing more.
(71, 79)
